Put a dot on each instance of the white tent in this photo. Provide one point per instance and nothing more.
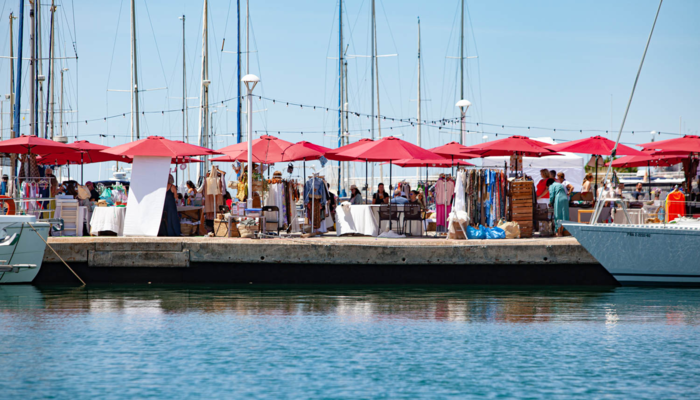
(570, 164)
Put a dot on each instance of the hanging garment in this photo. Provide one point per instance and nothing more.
(444, 189)
(213, 181)
(314, 212)
(675, 205)
(318, 186)
(441, 212)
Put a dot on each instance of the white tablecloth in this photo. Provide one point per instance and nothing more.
(82, 217)
(360, 220)
(108, 219)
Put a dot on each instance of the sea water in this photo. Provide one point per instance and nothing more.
(177, 342)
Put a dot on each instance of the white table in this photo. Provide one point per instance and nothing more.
(360, 220)
(82, 218)
(108, 219)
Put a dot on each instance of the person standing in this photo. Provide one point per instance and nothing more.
(541, 190)
(3, 185)
(559, 200)
(355, 195)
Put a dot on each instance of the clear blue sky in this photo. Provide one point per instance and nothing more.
(552, 64)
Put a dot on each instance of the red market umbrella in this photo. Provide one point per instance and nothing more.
(648, 158)
(389, 149)
(334, 154)
(85, 153)
(687, 143)
(304, 151)
(514, 145)
(266, 150)
(158, 146)
(454, 150)
(437, 163)
(596, 145)
(29, 144)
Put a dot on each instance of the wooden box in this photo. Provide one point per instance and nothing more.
(521, 198)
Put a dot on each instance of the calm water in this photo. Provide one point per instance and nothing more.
(347, 342)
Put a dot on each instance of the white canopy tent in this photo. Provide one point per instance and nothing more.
(570, 164)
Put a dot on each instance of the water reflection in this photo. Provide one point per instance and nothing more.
(459, 304)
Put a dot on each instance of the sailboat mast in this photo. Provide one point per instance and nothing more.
(40, 72)
(461, 63)
(12, 78)
(372, 57)
(49, 95)
(418, 117)
(184, 84)
(376, 68)
(204, 89)
(238, 77)
(135, 135)
(18, 89)
(340, 84)
(52, 71)
(32, 69)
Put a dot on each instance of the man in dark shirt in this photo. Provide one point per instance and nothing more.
(94, 195)
(638, 193)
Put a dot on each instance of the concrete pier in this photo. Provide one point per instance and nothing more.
(326, 260)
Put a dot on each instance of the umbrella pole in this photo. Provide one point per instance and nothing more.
(366, 183)
(304, 172)
(595, 187)
(82, 170)
(649, 179)
(390, 195)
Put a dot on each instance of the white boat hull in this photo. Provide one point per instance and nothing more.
(639, 255)
(22, 250)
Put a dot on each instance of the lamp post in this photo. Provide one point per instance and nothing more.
(250, 81)
(463, 107)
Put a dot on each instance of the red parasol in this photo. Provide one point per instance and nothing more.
(389, 149)
(519, 145)
(649, 158)
(688, 144)
(29, 144)
(334, 154)
(437, 163)
(596, 145)
(266, 150)
(304, 151)
(158, 146)
(454, 150)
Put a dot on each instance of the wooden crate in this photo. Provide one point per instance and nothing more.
(521, 206)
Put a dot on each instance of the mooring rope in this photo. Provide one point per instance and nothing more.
(54, 251)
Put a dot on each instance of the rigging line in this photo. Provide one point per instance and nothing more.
(398, 59)
(478, 63)
(111, 60)
(264, 115)
(325, 70)
(160, 61)
(442, 107)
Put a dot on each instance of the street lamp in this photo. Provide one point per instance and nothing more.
(463, 107)
(250, 81)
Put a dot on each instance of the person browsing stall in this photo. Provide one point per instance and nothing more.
(94, 195)
(638, 193)
(559, 200)
(170, 225)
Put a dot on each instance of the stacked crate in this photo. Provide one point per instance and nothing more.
(521, 194)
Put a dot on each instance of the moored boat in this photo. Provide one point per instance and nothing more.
(21, 248)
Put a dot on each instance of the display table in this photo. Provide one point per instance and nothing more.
(360, 220)
(194, 213)
(107, 219)
(82, 217)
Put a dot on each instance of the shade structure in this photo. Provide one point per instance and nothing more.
(334, 154)
(29, 144)
(83, 152)
(649, 158)
(687, 143)
(233, 156)
(436, 163)
(596, 145)
(389, 149)
(158, 146)
(520, 145)
(266, 150)
(304, 151)
(454, 150)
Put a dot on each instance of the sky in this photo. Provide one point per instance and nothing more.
(564, 65)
